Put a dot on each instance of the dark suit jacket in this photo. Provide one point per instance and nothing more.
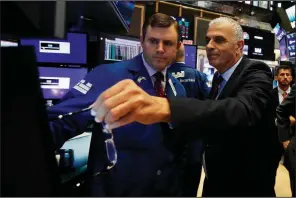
(283, 112)
(238, 131)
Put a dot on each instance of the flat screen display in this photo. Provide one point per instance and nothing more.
(190, 55)
(291, 15)
(119, 49)
(283, 49)
(291, 44)
(69, 51)
(184, 27)
(279, 32)
(55, 82)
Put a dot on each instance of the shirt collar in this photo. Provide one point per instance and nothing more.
(282, 91)
(227, 74)
(151, 70)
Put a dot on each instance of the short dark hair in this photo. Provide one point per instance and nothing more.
(283, 67)
(160, 20)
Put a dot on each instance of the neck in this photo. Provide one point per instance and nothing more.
(180, 60)
(284, 87)
(223, 69)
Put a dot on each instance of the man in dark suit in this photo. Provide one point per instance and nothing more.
(283, 76)
(148, 161)
(236, 123)
(195, 84)
(286, 114)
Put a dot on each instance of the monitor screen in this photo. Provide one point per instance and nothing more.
(69, 51)
(245, 49)
(291, 44)
(283, 49)
(279, 32)
(291, 15)
(5, 43)
(126, 9)
(56, 82)
(118, 49)
(259, 45)
(190, 55)
(246, 36)
(184, 27)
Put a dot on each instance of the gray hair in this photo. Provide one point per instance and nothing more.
(237, 29)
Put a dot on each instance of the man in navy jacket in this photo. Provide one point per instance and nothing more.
(148, 160)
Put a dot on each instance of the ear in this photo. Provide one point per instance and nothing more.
(240, 45)
(276, 78)
(179, 44)
(142, 40)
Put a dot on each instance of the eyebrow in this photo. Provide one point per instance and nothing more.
(220, 37)
(153, 38)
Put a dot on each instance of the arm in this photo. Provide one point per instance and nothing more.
(283, 112)
(243, 109)
(75, 100)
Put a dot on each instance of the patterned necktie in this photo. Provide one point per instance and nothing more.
(284, 95)
(215, 87)
(157, 84)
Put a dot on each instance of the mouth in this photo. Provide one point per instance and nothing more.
(213, 55)
(159, 58)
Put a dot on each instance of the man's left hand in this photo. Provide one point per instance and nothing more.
(125, 102)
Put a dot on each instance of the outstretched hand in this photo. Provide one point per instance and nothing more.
(125, 102)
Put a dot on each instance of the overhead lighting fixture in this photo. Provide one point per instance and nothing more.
(271, 2)
(279, 5)
(271, 8)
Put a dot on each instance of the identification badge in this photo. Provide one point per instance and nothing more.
(172, 87)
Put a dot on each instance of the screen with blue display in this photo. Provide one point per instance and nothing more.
(126, 9)
(190, 55)
(69, 51)
(291, 15)
(55, 82)
(291, 44)
(279, 32)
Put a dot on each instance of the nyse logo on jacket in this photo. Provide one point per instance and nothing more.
(83, 86)
(181, 74)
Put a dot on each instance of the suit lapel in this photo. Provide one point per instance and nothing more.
(232, 82)
(140, 75)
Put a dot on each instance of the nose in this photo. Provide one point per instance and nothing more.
(210, 45)
(160, 48)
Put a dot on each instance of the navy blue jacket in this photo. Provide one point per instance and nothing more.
(145, 167)
(194, 82)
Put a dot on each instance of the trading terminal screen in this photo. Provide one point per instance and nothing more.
(56, 82)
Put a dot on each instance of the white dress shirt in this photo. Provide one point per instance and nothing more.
(280, 92)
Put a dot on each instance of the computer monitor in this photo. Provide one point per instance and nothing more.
(55, 82)
(118, 48)
(291, 15)
(28, 163)
(291, 44)
(279, 32)
(190, 55)
(67, 51)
